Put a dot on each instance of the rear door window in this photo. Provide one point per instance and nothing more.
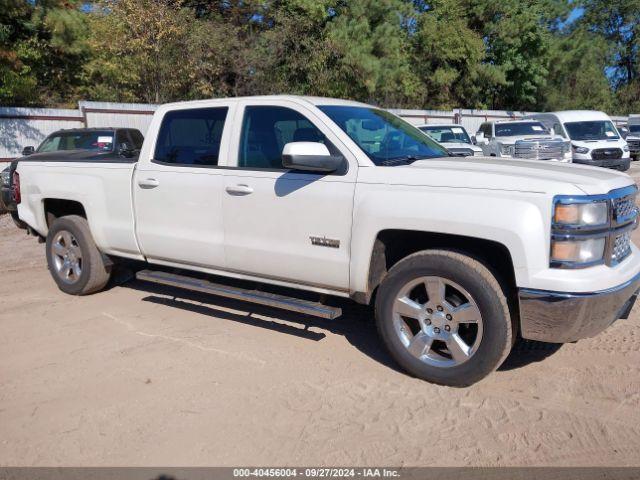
(191, 137)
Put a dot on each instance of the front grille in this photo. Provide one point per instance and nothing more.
(539, 149)
(606, 153)
(624, 214)
(624, 208)
(621, 248)
(634, 144)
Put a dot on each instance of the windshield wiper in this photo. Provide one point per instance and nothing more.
(404, 159)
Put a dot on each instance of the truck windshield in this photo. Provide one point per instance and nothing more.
(95, 141)
(447, 134)
(520, 129)
(634, 128)
(386, 139)
(592, 130)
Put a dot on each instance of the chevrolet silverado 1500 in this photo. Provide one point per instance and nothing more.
(457, 255)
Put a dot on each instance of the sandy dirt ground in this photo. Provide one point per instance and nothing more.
(135, 376)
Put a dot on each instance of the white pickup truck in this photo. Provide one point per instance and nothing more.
(528, 139)
(458, 255)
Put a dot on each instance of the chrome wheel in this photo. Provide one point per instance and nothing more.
(67, 257)
(438, 321)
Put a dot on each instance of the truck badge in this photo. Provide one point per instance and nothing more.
(325, 242)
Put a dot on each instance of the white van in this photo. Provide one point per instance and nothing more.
(594, 138)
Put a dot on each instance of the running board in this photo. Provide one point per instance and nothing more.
(254, 296)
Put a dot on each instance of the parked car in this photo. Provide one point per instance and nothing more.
(594, 138)
(527, 139)
(102, 143)
(458, 255)
(633, 137)
(453, 137)
(5, 190)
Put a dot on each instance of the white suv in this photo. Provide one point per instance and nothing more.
(528, 139)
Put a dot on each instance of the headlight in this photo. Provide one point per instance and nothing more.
(625, 148)
(506, 149)
(581, 150)
(588, 251)
(578, 215)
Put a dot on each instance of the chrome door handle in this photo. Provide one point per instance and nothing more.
(148, 183)
(239, 190)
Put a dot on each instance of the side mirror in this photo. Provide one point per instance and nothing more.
(552, 132)
(473, 140)
(125, 149)
(28, 151)
(310, 156)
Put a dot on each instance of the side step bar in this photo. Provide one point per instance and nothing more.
(254, 296)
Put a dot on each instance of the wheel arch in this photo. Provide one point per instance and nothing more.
(55, 208)
(392, 245)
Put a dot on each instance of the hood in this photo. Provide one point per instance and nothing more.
(468, 146)
(492, 173)
(68, 156)
(615, 142)
(532, 138)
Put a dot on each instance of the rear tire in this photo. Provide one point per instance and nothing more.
(444, 318)
(74, 261)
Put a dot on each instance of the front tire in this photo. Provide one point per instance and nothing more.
(74, 261)
(444, 318)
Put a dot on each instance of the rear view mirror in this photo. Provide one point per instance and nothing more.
(28, 151)
(372, 125)
(310, 156)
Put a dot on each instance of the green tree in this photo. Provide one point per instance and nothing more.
(139, 48)
(577, 77)
(370, 57)
(449, 57)
(17, 83)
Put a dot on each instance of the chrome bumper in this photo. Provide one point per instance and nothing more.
(559, 317)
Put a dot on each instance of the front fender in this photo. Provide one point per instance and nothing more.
(518, 220)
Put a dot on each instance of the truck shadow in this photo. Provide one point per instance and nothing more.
(525, 352)
(356, 324)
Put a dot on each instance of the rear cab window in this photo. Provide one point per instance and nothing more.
(191, 137)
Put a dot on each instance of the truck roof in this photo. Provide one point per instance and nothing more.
(295, 98)
(580, 115)
(514, 120)
(440, 125)
(92, 129)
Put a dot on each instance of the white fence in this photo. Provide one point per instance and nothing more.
(21, 127)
